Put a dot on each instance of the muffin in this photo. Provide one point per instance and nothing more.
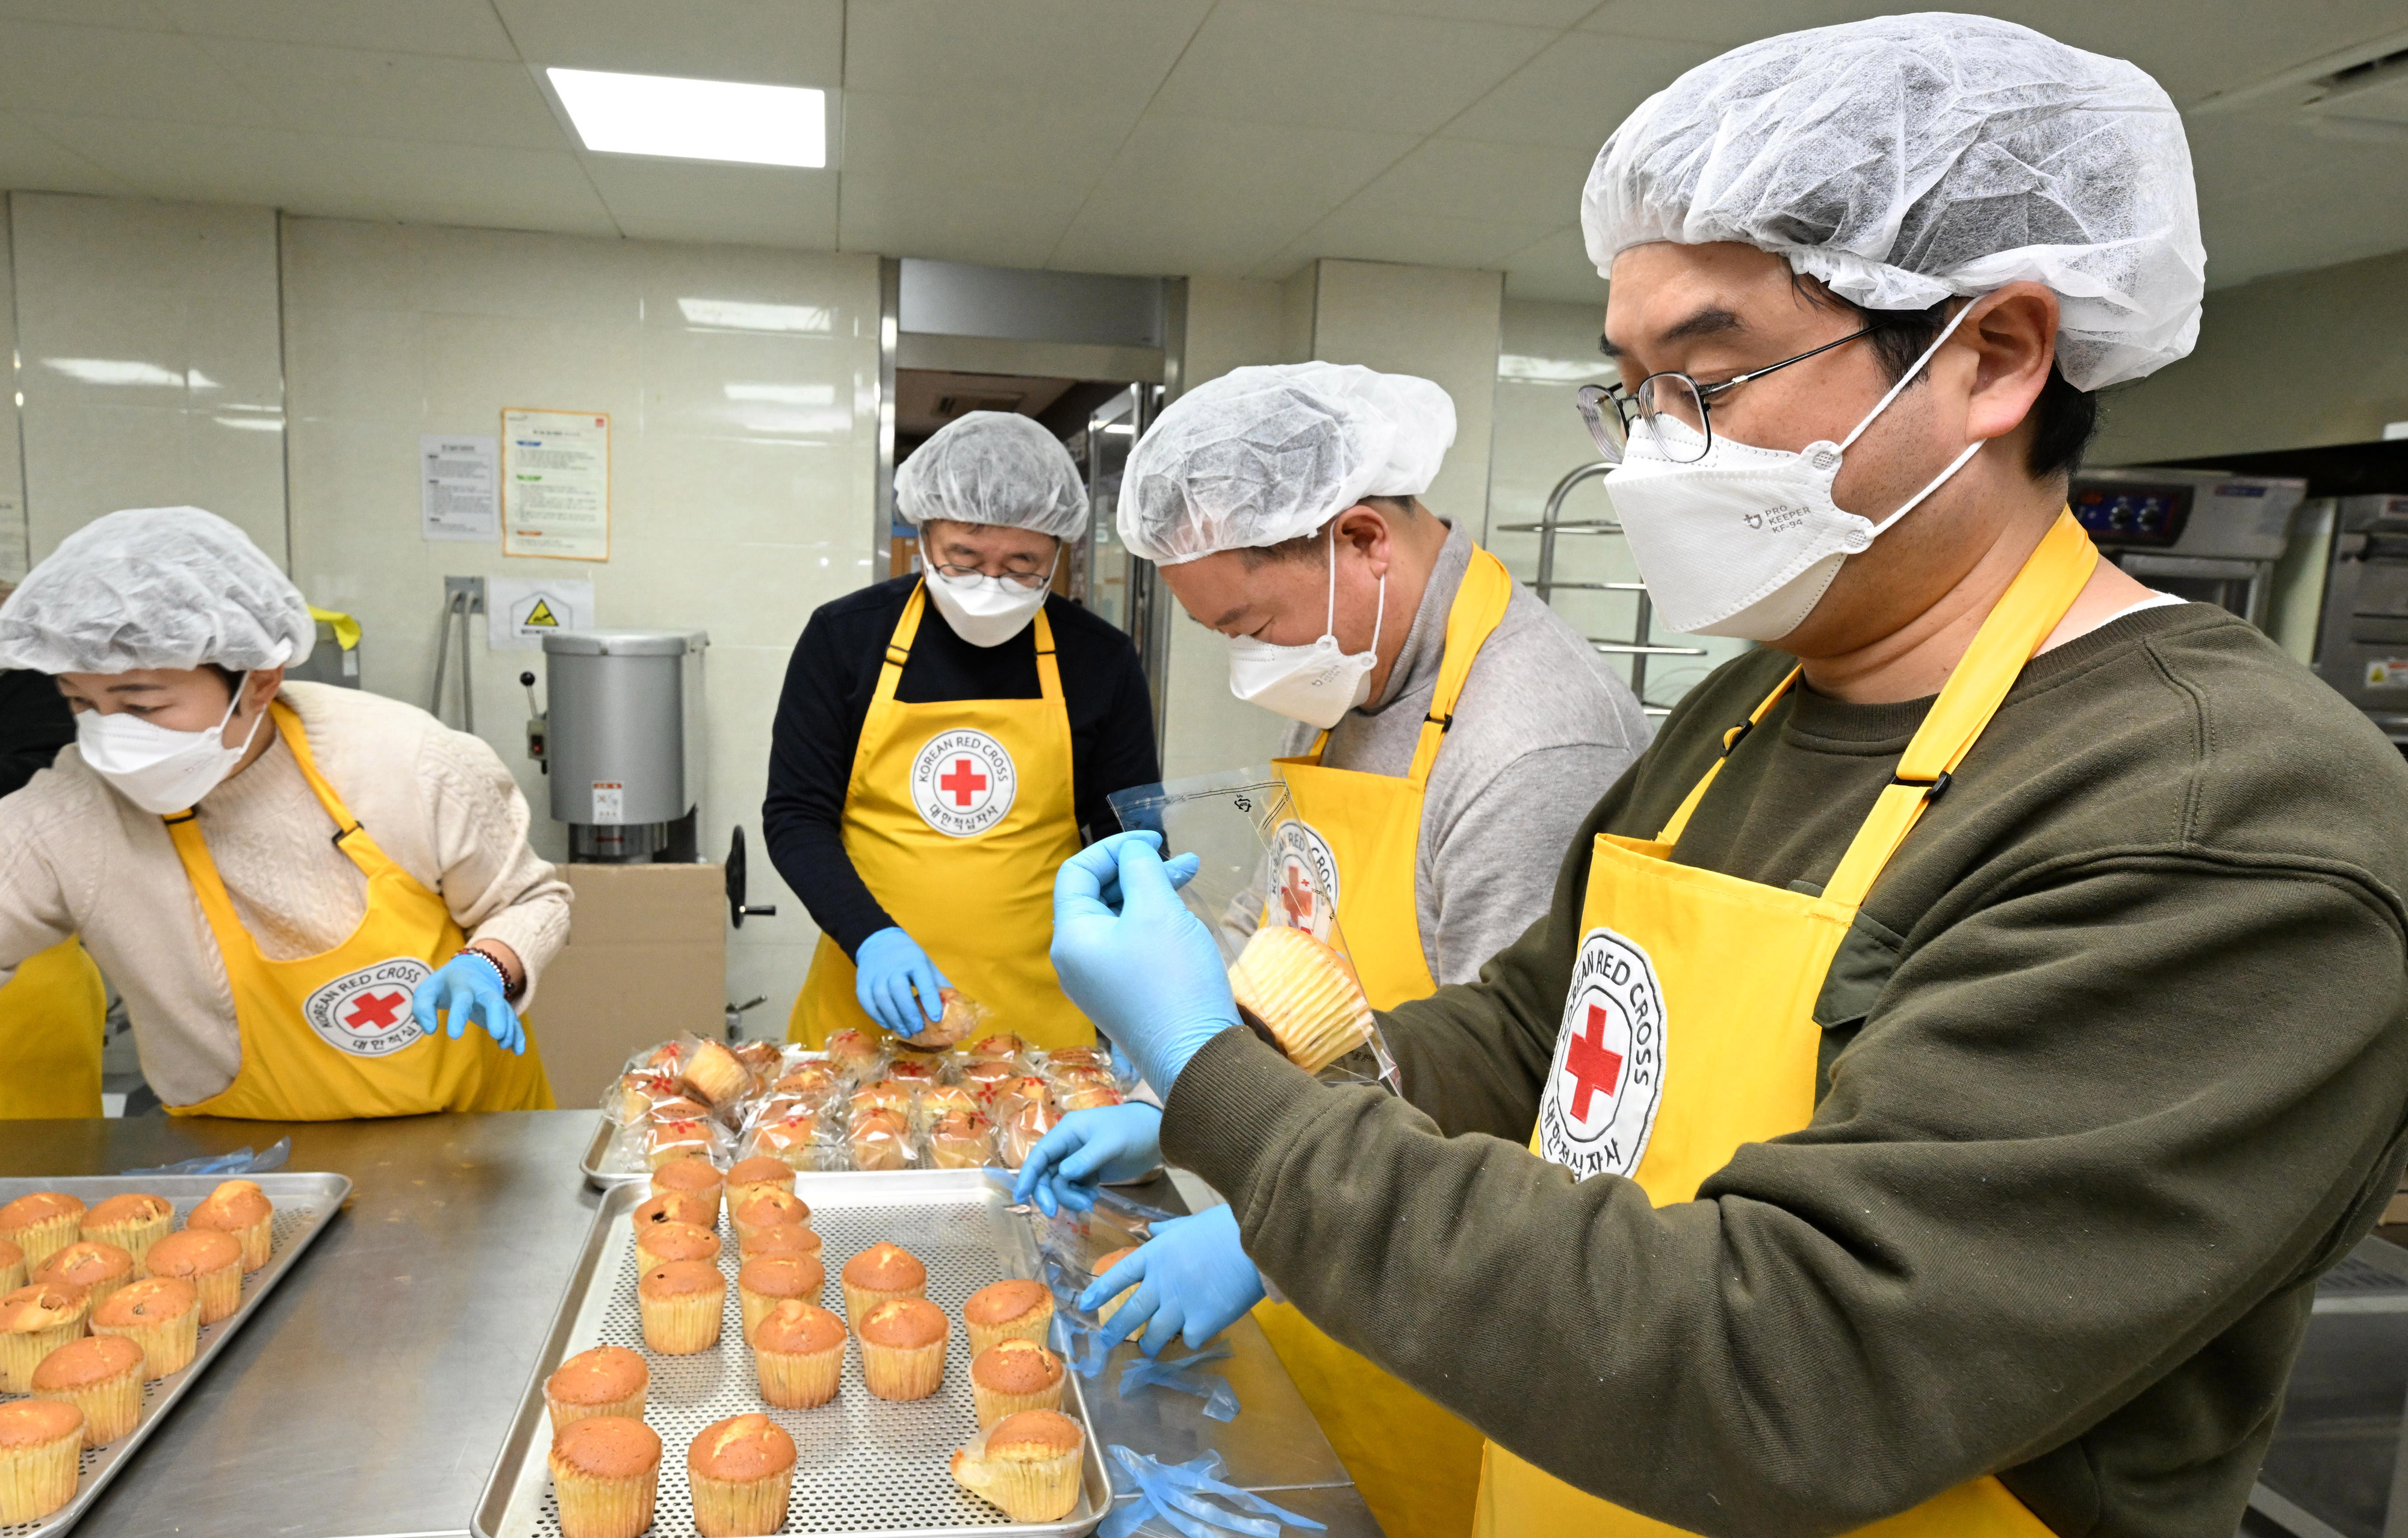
(793, 1141)
(855, 1054)
(761, 1060)
(696, 1179)
(1001, 1047)
(1010, 1094)
(211, 1260)
(670, 1207)
(681, 1303)
(762, 1284)
(41, 1452)
(1104, 1263)
(35, 1320)
(962, 1141)
(1025, 1129)
(661, 1242)
(605, 1474)
(714, 1075)
(813, 1084)
(903, 1348)
(240, 1208)
(666, 1058)
(100, 1375)
(42, 1222)
(133, 1222)
(1090, 1098)
(678, 1129)
(12, 1267)
(758, 1176)
(1014, 1376)
(741, 1470)
(1017, 1309)
(881, 1274)
(799, 1355)
(939, 1101)
(883, 1095)
(768, 1209)
(98, 1268)
(881, 1139)
(162, 1315)
(609, 1380)
(1077, 1059)
(915, 1073)
(983, 1075)
(1305, 993)
(1028, 1464)
(632, 1099)
(779, 1239)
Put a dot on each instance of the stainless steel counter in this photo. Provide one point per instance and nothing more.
(372, 1392)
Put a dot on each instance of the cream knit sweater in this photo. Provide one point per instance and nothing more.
(77, 857)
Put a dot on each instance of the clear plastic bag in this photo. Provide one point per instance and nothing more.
(961, 1139)
(856, 1054)
(1265, 889)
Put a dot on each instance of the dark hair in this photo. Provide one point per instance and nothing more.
(1257, 556)
(232, 680)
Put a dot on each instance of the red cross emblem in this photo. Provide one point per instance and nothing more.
(1295, 896)
(964, 780)
(376, 1011)
(1593, 1068)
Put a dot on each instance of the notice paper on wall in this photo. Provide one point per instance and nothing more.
(520, 610)
(455, 489)
(556, 484)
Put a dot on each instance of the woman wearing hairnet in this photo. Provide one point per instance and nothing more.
(1961, 1040)
(209, 837)
(926, 780)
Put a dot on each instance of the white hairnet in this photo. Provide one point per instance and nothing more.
(1260, 455)
(155, 587)
(1907, 159)
(993, 467)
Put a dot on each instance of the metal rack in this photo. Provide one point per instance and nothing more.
(1551, 525)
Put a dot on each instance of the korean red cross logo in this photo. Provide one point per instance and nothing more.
(963, 783)
(1608, 1076)
(1304, 878)
(367, 1013)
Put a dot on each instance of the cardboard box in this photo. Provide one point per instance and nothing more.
(646, 960)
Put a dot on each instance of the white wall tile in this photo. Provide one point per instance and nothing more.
(15, 537)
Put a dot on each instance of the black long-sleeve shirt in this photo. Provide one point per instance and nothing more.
(828, 688)
(35, 724)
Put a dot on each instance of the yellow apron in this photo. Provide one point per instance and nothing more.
(52, 1015)
(1737, 967)
(1350, 850)
(957, 815)
(331, 1035)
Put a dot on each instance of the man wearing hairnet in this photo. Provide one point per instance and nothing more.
(1450, 732)
(925, 779)
(318, 903)
(1960, 1040)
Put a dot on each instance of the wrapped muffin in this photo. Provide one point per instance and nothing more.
(1304, 994)
(1026, 1464)
(963, 1140)
(880, 1139)
(856, 1055)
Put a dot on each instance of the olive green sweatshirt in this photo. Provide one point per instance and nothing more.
(2116, 1063)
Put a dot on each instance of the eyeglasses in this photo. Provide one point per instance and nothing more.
(1029, 581)
(1608, 410)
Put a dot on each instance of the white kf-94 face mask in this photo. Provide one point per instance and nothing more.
(156, 768)
(1315, 683)
(986, 610)
(1743, 542)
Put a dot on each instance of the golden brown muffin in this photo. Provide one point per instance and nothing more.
(813, 1082)
(758, 1176)
(211, 1260)
(1014, 1375)
(1025, 1129)
(939, 1101)
(855, 1054)
(240, 1208)
(1028, 1464)
(666, 1058)
(761, 1060)
(1090, 1098)
(681, 1303)
(715, 1075)
(12, 1267)
(1010, 1094)
(779, 1239)
(1305, 993)
(1001, 1047)
(1016, 1310)
(962, 1141)
(678, 1129)
(884, 1095)
(605, 1474)
(799, 1355)
(632, 1099)
(959, 1015)
(983, 1075)
(35, 1320)
(670, 1207)
(915, 1074)
(607, 1380)
(695, 1179)
(903, 1348)
(162, 1315)
(793, 1141)
(1077, 1059)
(661, 1242)
(98, 1268)
(100, 1375)
(879, 1275)
(1103, 1263)
(762, 1284)
(42, 1222)
(881, 1139)
(740, 1471)
(133, 1222)
(768, 1209)
(41, 1451)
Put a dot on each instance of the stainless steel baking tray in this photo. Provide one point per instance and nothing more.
(866, 1467)
(303, 1201)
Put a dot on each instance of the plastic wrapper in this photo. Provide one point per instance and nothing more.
(1087, 1096)
(1008, 1095)
(856, 1054)
(764, 1060)
(998, 1047)
(1174, 1493)
(1220, 1399)
(879, 1139)
(961, 1139)
(679, 1129)
(895, 1094)
(713, 1073)
(1262, 868)
(983, 1076)
(939, 1101)
(963, 1016)
(633, 1094)
(796, 1141)
(915, 1070)
(1023, 1127)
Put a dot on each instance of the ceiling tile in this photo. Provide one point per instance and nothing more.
(1244, 168)
(208, 163)
(1556, 267)
(1420, 239)
(2275, 195)
(1000, 223)
(395, 95)
(138, 15)
(1315, 67)
(459, 29)
(1535, 13)
(46, 68)
(475, 184)
(1042, 143)
(779, 42)
(695, 200)
(1727, 23)
(1519, 183)
(1577, 91)
(32, 161)
(1100, 53)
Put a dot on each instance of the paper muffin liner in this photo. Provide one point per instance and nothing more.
(593, 1506)
(799, 1380)
(994, 1403)
(134, 1239)
(737, 1508)
(1034, 1327)
(859, 1302)
(111, 1407)
(39, 1480)
(564, 1414)
(220, 1292)
(253, 1237)
(896, 1372)
(168, 1347)
(1043, 1491)
(23, 1350)
(51, 1233)
(683, 1324)
(13, 1275)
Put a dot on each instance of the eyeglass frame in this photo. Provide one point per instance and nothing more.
(1588, 399)
(1027, 581)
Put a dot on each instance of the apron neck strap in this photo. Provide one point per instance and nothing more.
(1731, 738)
(907, 630)
(288, 726)
(1049, 674)
(1479, 607)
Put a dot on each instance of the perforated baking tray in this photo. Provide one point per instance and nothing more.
(865, 1468)
(303, 1201)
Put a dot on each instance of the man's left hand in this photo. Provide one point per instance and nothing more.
(1132, 956)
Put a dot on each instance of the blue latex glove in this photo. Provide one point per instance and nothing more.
(1192, 1281)
(465, 988)
(888, 967)
(1113, 1143)
(1134, 959)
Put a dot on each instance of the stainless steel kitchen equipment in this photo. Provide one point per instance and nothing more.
(625, 742)
(2201, 535)
(2362, 640)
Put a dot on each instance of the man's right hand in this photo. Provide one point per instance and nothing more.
(888, 969)
(1110, 1143)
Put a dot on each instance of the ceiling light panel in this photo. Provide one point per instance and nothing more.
(695, 119)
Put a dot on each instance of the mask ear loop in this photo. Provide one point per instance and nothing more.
(1883, 404)
(1329, 626)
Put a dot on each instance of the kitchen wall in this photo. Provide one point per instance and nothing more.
(15, 537)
